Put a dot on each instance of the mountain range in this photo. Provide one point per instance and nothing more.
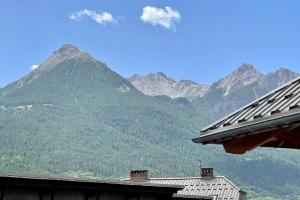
(156, 84)
(74, 116)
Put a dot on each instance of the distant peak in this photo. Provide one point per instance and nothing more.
(135, 76)
(157, 75)
(284, 70)
(244, 75)
(245, 70)
(162, 74)
(188, 82)
(67, 49)
(245, 67)
(152, 76)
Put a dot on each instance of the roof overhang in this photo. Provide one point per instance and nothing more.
(278, 130)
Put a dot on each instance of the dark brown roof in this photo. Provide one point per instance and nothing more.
(60, 182)
(275, 110)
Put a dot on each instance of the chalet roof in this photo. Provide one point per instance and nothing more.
(277, 109)
(216, 187)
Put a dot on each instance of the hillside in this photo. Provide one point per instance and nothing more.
(74, 116)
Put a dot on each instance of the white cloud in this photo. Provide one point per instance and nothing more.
(165, 17)
(100, 18)
(33, 67)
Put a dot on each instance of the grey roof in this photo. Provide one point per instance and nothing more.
(275, 109)
(217, 187)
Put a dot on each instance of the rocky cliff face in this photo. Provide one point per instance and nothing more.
(156, 84)
(153, 84)
(187, 88)
(244, 75)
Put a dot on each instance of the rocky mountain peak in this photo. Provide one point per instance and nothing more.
(285, 72)
(282, 74)
(244, 75)
(135, 76)
(67, 50)
(187, 82)
(155, 84)
(160, 76)
(277, 78)
(245, 72)
(152, 77)
(245, 68)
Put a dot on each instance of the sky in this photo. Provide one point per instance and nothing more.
(199, 40)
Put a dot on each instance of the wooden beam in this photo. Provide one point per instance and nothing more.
(288, 136)
(246, 143)
(293, 128)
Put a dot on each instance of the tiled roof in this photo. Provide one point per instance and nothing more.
(281, 102)
(192, 197)
(218, 186)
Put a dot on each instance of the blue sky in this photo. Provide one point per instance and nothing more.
(209, 39)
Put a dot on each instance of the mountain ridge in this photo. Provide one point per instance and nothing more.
(155, 84)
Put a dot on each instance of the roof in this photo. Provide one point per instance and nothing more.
(60, 182)
(191, 197)
(278, 109)
(216, 187)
